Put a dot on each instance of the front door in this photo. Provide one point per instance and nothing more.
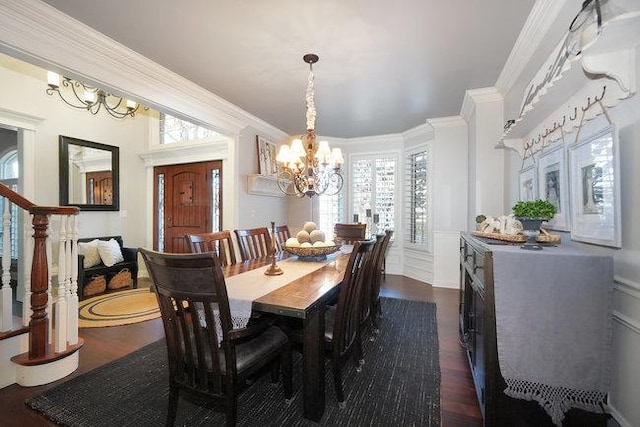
(187, 200)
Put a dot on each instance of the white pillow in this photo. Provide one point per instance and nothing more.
(110, 252)
(90, 252)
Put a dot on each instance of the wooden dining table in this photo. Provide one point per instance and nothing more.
(303, 298)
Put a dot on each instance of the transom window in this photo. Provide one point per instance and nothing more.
(173, 129)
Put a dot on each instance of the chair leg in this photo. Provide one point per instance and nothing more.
(337, 382)
(359, 357)
(172, 409)
(275, 373)
(232, 410)
(287, 380)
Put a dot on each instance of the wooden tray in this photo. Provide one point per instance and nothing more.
(543, 237)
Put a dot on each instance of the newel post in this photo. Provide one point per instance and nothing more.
(39, 324)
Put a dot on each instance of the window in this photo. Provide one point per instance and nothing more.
(173, 129)
(373, 184)
(330, 212)
(418, 197)
(9, 173)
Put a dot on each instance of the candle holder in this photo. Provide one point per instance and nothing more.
(274, 269)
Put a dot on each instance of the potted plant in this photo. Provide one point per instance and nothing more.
(532, 213)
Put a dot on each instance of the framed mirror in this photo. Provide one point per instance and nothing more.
(89, 175)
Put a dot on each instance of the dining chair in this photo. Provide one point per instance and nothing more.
(281, 233)
(208, 358)
(342, 321)
(349, 233)
(219, 242)
(253, 242)
(372, 310)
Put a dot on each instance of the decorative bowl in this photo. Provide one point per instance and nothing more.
(312, 253)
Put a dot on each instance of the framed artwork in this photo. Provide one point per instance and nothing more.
(528, 184)
(267, 164)
(553, 186)
(595, 189)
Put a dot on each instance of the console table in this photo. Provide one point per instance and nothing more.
(537, 329)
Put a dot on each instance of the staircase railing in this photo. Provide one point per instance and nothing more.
(45, 336)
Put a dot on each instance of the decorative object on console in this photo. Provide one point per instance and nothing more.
(309, 167)
(531, 214)
(274, 269)
(92, 99)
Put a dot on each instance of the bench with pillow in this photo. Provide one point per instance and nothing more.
(104, 264)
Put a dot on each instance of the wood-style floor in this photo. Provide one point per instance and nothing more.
(102, 345)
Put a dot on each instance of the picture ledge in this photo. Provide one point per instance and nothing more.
(263, 185)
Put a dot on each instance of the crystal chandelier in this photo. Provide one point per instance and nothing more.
(309, 167)
(83, 97)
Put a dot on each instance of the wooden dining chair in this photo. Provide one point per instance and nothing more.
(349, 233)
(208, 358)
(253, 242)
(281, 233)
(219, 242)
(371, 311)
(342, 321)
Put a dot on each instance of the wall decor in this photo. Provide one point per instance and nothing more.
(528, 184)
(266, 157)
(553, 185)
(595, 189)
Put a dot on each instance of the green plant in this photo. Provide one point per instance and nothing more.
(480, 218)
(534, 209)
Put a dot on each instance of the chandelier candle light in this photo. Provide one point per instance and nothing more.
(309, 167)
(90, 98)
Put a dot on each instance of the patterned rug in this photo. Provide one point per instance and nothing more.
(398, 385)
(118, 308)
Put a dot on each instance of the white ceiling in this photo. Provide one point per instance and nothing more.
(384, 67)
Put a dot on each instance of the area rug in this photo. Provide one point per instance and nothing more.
(118, 308)
(398, 385)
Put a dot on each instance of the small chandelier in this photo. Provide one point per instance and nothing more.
(90, 98)
(310, 168)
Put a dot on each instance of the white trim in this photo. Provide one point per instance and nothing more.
(478, 96)
(389, 138)
(626, 321)
(424, 130)
(40, 34)
(626, 286)
(445, 122)
(542, 16)
(618, 416)
(186, 153)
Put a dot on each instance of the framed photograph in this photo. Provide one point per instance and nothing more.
(595, 189)
(267, 164)
(553, 186)
(528, 184)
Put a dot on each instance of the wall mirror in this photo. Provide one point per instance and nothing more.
(89, 175)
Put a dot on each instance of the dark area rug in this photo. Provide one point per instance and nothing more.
(399, 385)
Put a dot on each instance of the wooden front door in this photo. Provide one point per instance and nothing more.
(187, 200)
(99, 188)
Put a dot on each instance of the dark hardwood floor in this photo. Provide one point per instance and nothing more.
(458, 398)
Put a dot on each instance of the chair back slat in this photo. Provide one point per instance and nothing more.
(281, 233)
(253, 243)
(347, 320)
(349, 233)
(219, 242)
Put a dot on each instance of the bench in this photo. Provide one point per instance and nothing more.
(85, 275)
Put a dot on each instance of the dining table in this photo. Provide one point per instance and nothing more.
(301, 292)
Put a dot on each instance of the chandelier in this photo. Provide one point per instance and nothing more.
(92, 99)
(309, 167)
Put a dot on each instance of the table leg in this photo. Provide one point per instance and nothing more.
(313, 365)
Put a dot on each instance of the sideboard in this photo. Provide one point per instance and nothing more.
(531, 322)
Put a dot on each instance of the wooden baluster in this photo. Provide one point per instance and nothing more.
(61, 302)
(39, 324)
(49, 270)
(27, 312)
(6, 308)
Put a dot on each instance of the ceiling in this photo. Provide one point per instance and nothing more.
(385, 67)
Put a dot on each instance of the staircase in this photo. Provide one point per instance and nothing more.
(39, 345)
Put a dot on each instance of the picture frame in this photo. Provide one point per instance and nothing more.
(595, 189)
(553, 186)
(528, 184)
(267, 151)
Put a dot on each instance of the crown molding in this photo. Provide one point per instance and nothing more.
(542, 16)
(36, 32)
(424, 131)
(478, 96)
(389, 138)
(446, 122)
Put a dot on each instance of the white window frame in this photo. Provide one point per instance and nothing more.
(406, 218)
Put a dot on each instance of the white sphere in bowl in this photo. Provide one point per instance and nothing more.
(305, 245)
(330, 243)
(292, 242)
(303, 236)
(316, 236)
(318, 244)
(309, 226)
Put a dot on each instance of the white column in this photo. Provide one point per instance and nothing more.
(72, 273)
(6, 308)
(61, 312)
